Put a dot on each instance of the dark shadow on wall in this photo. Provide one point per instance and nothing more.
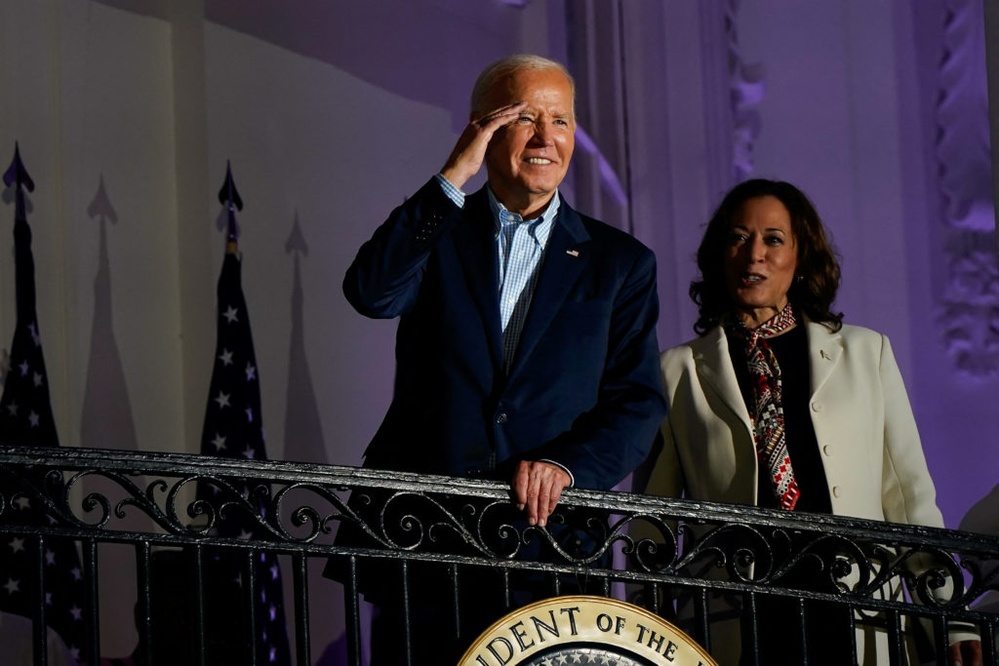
(303, 432)
(382, 42)
(983, 517)
(304, 442)
(107, 422)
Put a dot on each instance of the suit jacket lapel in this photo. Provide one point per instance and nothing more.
(714, 367)
(565, 258)
(475, 244)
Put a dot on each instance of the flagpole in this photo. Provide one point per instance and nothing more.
(33, 569)
(233, 428)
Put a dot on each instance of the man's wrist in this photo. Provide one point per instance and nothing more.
(452, 191)
(572, 479)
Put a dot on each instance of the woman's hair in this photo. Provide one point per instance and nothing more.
(816, 280)
(507, 67)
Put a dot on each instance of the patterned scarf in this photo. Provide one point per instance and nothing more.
(767, 410)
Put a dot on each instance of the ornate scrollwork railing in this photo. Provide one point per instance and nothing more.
(90, 493)
(164, 499)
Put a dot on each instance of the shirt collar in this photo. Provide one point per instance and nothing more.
(540, 226)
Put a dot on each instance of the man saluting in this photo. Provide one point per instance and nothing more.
(526, 348)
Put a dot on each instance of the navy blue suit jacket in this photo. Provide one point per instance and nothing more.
(584, 389)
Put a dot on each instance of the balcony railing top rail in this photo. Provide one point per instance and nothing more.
(125, 467)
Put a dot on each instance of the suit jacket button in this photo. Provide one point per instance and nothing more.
(501, 418)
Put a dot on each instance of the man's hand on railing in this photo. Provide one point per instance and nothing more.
(537, 487)
(966, 653)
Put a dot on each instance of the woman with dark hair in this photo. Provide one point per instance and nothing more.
(778, 404)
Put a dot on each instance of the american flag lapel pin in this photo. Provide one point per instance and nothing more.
(572, 253)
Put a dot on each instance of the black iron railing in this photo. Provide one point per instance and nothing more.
(693, 563)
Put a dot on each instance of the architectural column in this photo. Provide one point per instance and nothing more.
(195, 240)
(992, 64)
(655, 92)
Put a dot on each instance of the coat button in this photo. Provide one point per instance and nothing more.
(501, 418)
(836, 491)
(816, 406)
(827, 450)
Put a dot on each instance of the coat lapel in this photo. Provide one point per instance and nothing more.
(565, 258)
(714, 367)
(825, 349)
(475, 244)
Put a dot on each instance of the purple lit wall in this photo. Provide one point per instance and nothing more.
(878, 111)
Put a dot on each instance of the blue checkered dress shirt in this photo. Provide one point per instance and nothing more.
(520, 246)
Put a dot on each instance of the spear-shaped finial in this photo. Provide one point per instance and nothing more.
(16, 173)
(296, 239)
(101, 207)
(230, 199)
(17, 176)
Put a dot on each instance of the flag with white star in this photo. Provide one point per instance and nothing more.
(26, 420)
(233, 429)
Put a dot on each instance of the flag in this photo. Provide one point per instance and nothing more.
(233, 429)
(26, 420)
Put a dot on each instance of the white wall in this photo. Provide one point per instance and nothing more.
(328, 135)
(87, 94)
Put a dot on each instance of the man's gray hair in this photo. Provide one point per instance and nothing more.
(507, 67)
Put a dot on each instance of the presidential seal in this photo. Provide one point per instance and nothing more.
(584, 630)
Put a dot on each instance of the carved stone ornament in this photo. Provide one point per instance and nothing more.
(969, 319)
(969, 314)
(748, 87)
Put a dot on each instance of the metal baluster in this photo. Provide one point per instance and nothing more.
(143, 619)
(198, 553)
(352, 604)
(40, 626)
(300, 565)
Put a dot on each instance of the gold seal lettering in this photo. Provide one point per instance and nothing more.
(539, 625)
(570, 627)
(606, 623)
(502, 641)
(571, 610)
(518, 632)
